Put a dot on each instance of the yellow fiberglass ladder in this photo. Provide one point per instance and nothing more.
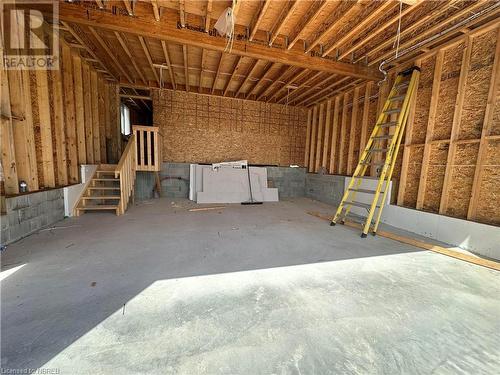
(385, 139)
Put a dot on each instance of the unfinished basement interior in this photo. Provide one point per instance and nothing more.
(250, 187)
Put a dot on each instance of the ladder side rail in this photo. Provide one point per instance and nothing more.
(381, 118)
(412, 89)
(385, 167)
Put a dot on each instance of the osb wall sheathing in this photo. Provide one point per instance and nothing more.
(464, 165)
(206, 129)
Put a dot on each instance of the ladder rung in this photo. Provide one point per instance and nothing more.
(396, 98)
(387, 124)
(402, 85)
(382, 137)
(390, 111)
(373, 163)
(360, 204)
(378, 150)
(367, 191)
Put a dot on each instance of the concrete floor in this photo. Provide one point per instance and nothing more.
(245, 290)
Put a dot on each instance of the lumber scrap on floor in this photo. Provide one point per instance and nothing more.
(423, 245)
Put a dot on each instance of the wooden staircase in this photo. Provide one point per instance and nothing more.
(111, 186)
(102, 192)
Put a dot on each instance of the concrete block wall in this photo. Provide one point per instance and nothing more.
(290, 182)
(324, 188)
(174, 182)
(28, 213)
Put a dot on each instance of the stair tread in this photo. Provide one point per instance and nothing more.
(103, 197)
(103, 188)
(106, 179)
(99, 207)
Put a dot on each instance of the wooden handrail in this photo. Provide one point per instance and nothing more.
(149, 145)
(125, 170)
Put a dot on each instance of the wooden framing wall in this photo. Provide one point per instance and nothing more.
(450, 160)
(52, 121)
(204, 129)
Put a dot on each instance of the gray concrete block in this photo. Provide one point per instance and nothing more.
(25, 214)
(16, 203)
(4, 222)
(4, 236)
(36, 223)
(19, 231)
(13, 218)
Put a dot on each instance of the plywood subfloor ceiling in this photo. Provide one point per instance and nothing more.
(289, 52)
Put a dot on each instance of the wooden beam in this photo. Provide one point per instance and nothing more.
(485, 132)
(182, 13)
(87, 105)
(95, 117)
(361, 42)
(69, 112)
(326, 142)
(348, 14)
(156, 9)
(312, 14)
(313, 88)
(358, 29)
(79, 109)
(217, 73)
(352, 133)
(364, 121)
(121, 40)
(430, 128)
(87, 47)
(455, 127)
(8, 152)
(343, 130)
(278, 79)
(100, 4)
(308, 138)
(166, 30)
(59, 128)
(22, 127)
(322, 92)
(42, 89)
(285, 15)
(208, 15)
(186, 65)
(148, 56)
(138, 97)
(335, 125)
(102, 118)
(169, 65)
(238, 60)
(428, 32)
(202, 64)
(254, 25)
(313, 140)
(263, 78)
(128, 6)
(321, 122)
(248, 76)
(302, 85)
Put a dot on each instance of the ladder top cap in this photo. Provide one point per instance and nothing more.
(410, 70)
